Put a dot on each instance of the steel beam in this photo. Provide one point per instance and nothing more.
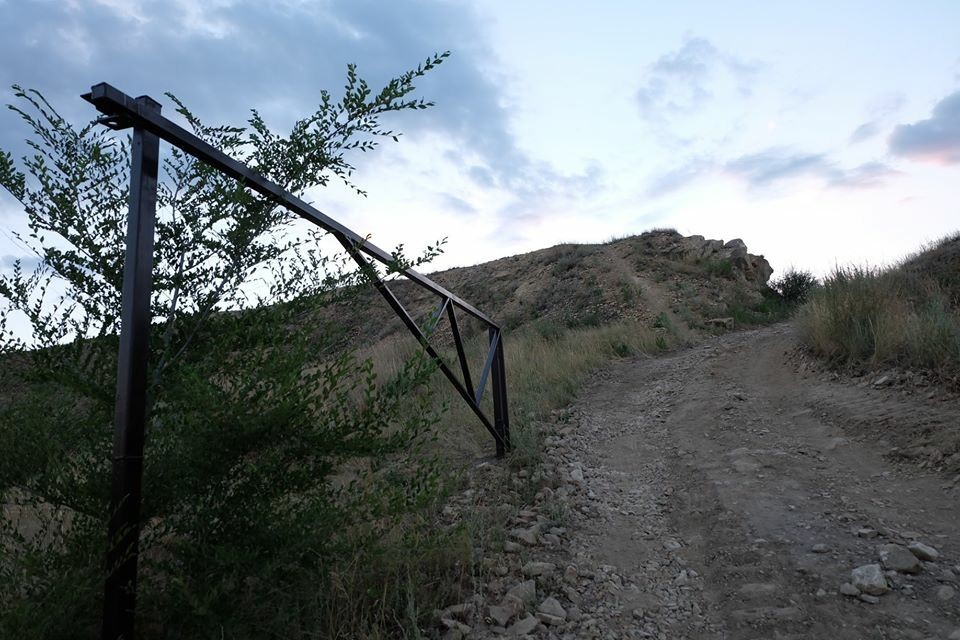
(120, 589)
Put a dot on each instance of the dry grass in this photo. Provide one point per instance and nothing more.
(546, 364)
(873, 317)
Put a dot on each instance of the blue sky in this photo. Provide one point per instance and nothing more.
(818, 132)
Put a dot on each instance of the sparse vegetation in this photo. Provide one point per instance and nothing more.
(874, 317)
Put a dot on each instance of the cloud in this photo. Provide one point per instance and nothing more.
(936, 139)
(680, 81)
(226, 56)
(772, 167)
(456, 203)
(676, 179)
(864, 132)
(27, 262)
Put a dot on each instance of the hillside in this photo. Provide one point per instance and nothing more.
(691, 284)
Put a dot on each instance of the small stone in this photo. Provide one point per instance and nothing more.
(572, 595)
(501, 614)
(525, 592)
(576, 475)
(945, 593)
(551, 612)
(570, 574)
(533, 569)
(574, 614)
(820, 548)
(821, 593)
(671, 545)
(897, 558)
(867, 532)
(955, 635)
(866, 597)
(528, 537)
(523, 626)
(848, 589)
(453, 634)
(511, 547)
(870, 579)
(923, 551)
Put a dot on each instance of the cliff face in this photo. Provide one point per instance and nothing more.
(698, 249)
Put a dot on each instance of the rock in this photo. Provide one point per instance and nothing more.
(551, 612)
(820, 548)
(523, 626)
(897, 558)
(848, 589)
(533, 569)
(867, 532)
(954, 636)
(525, 592)
(570, 575)
(529, 537)
(455, 625)
(453, 634)
(572, 595)
(945, 593)
(671, 545)
(923, 551)
(576, 475)
(511, 547)
(574, 614)
(501, 614)
(870, 579)
(866, 597)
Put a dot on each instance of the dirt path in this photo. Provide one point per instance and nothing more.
(717, 493)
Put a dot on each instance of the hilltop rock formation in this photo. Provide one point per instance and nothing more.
(674, 246)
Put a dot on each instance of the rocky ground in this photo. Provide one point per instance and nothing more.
(725, 491)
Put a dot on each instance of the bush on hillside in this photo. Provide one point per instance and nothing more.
(794, 286)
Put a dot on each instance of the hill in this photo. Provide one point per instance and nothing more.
(684, 285)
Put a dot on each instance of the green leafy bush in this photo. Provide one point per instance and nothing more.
(794, 286)
(274, 457)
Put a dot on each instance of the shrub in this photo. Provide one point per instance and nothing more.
(794, 286)
(273, 458)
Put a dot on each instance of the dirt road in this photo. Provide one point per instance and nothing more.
(718, 493)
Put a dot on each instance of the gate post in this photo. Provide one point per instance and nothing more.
(501, 416)
(120, 588)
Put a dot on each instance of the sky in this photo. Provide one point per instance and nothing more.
(820, 133)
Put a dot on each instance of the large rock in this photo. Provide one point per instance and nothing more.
(897, 558)
(870, 579)
(697, 248)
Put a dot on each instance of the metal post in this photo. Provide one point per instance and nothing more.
(120, 589)
(501, 418)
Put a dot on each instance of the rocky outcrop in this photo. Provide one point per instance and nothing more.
(674, 246)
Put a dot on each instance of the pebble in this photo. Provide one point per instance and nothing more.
(525, 592)
(945, 593)
(551, 612)
(897, 558)
(869, 579)
(820, 548)
(923, 551)
(848, 589)
(866, 597)
(523, 626)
